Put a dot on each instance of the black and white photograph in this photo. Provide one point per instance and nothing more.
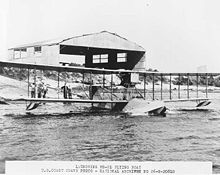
(110, 81)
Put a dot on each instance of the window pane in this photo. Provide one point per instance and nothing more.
(121, 54)
(16, 54)
(96, 56)
(104, 56)
(37, 49)
(104, 60)
(95, 60)
(121, 59)
(23, 52)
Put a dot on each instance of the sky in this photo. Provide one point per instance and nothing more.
(178, 35)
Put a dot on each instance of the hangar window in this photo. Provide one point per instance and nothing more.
(121, 57)
(96, 59)
(20, 53)
(102, 58)
(23, 52)
(17, 53)
(37, 51)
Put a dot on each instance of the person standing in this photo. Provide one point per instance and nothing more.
(69, 92)
(45, 89)
(32, 86)
(39, 90)
(64, 89)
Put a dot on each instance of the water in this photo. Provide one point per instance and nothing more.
(182, 135)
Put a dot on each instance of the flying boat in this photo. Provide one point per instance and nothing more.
(122, 97)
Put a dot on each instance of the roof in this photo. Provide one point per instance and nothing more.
(40, 43)
(102, 39)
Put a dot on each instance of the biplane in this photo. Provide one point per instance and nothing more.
(133, 95)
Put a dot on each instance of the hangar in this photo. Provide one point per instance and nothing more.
(96, 50)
